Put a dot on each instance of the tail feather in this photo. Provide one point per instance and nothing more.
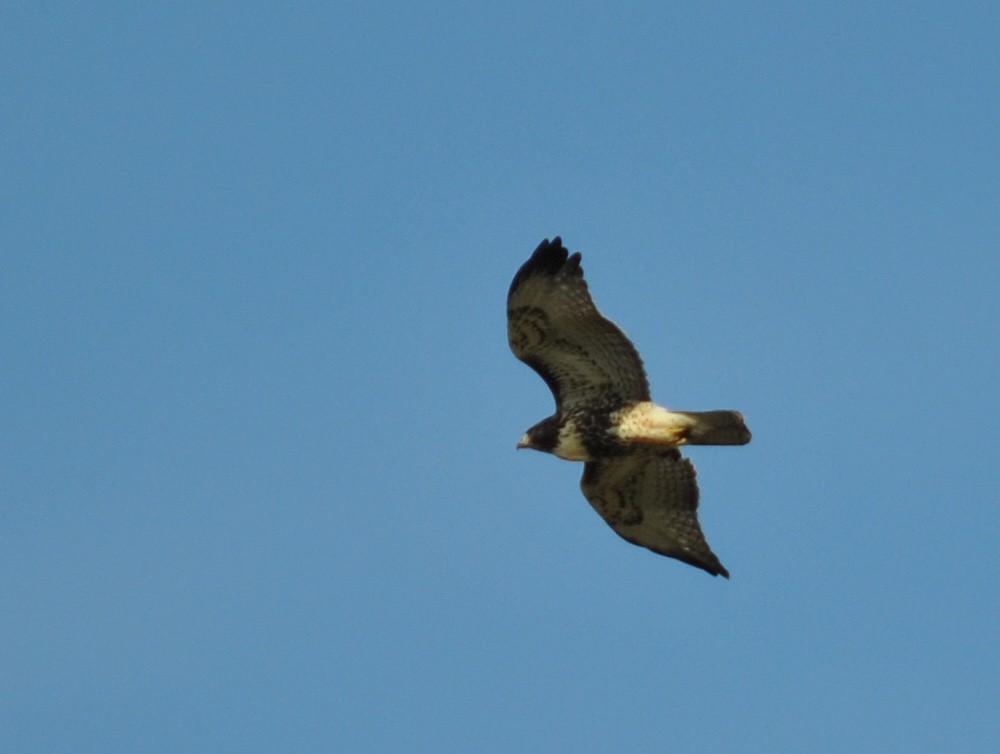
(716, 428)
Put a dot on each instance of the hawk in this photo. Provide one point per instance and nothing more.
(634, 475)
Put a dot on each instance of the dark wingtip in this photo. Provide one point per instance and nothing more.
(547, 259)
(709, 563)
(715, 569)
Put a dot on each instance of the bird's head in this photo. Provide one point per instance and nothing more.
(544, 436)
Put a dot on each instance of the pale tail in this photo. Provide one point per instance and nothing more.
(716, 428)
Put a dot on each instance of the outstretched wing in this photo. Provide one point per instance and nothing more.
(650, 498)
(554, 327)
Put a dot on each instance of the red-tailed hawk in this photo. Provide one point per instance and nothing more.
(633, 476)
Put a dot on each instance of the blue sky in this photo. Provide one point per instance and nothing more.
(259, 487)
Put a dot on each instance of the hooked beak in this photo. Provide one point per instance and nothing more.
(523, 443)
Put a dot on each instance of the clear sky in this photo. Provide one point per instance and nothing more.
(259, 484)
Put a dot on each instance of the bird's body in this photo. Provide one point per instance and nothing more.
(585, 435)
(634, 475)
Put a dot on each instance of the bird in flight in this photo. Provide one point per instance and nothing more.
(634, 475)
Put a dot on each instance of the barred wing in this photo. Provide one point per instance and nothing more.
(650, 498)
(554, 327)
